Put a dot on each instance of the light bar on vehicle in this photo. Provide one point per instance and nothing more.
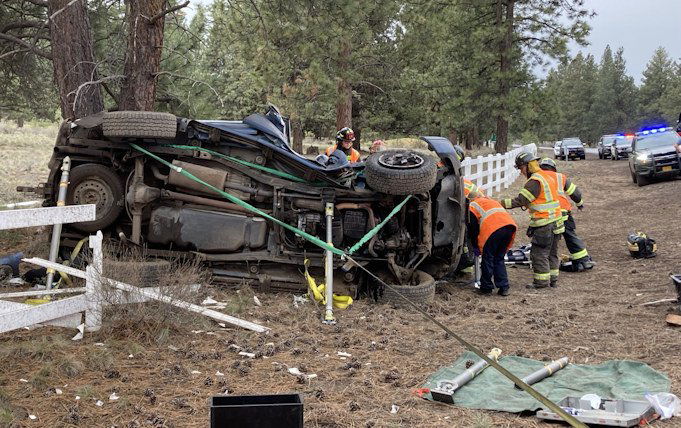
(654, 130)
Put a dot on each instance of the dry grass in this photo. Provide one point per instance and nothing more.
(25, 153)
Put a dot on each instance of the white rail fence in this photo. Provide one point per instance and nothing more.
(492, 172)
(94, 297)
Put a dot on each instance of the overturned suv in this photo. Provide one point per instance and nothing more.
(144, 202)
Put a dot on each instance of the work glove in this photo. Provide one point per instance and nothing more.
(476, 252)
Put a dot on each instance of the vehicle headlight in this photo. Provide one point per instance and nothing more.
(643, 157)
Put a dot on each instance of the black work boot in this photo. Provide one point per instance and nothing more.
(553, 284)
(537, 285)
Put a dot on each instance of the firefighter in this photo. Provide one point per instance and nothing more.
(492, 230)
(344, 139)
(540, 196)
(578, 254)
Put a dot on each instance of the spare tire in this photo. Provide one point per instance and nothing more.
(139, 124)
(400, 172)
(422, 292)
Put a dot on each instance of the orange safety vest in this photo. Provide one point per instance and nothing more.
(470, 187)
(565, 204)
(545, 208)
(352, 157)
(492, 217)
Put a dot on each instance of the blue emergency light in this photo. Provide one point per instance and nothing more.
(654, 130)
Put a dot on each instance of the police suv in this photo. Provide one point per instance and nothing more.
(654, 154)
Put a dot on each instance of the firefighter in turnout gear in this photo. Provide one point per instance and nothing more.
(492, 230)
(344, 139)
(566, 188)
(540, 196)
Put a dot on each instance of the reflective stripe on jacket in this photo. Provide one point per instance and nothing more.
(352, 157)
(565, 204)
(544, 208)
(470, 190)
(492, 217)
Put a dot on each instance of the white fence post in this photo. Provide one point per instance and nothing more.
(93, 285)
(494, 171)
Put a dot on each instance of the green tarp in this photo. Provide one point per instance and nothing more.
(490, 390)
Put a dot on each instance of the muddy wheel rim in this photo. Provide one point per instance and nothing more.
(94, 190)
(401, 160)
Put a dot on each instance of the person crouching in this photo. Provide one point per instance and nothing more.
(492, 231)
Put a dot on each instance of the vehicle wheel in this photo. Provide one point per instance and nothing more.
(139, 124)
(96, 184)
(642, 181)
(421, 293)
(137, 273)
(633, 176)
(400, 172)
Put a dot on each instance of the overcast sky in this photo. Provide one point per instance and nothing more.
(639, 26)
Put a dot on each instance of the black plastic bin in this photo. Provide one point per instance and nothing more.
(257, 411)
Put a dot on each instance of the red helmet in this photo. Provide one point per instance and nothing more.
(345, 134)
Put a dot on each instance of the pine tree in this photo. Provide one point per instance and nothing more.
(658, 78)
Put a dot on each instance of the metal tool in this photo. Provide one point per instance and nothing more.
(445, 389)
(328, 314)
(611, 412)
(545, 371)
(477, 271)
(56, 230)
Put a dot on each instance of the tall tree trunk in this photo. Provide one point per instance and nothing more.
(344, 102)
(143, 54)
(505, 46)
(73, 59)
(297, 136)
(453, 136)
(468, 139)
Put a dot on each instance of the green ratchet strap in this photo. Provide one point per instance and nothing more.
(318, 242)
(241, 203)
(375, 230)
(240, 161)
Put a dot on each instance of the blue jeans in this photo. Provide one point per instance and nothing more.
(492, 264)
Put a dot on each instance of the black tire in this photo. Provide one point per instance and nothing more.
(422, 293)
(394, 180)
(96, 184)
(633, 176)
(139, 124)
(642, 181)
(137, 273)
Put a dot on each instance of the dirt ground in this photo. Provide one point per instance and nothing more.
(168, 380)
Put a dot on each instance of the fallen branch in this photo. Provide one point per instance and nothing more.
(655, 302)
(167, 11)
(93, 82)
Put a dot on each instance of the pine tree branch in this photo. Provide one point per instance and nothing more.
(167, 11)
(199, 82)
(38, 2)
(36, 50)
